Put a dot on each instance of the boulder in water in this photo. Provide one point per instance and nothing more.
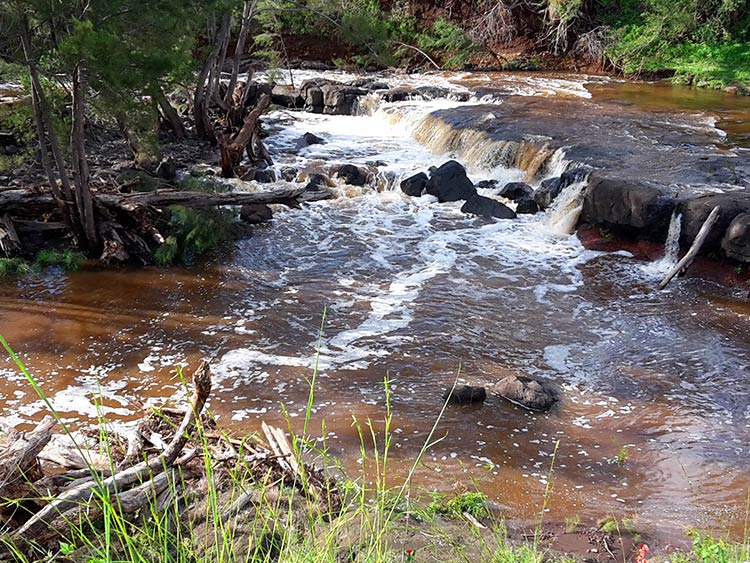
(527, 205)
(527, 392)
(414, 185)
(546, 193)
(695, 210)
(352, 175)
(316, 181)
(265, 176)
(487, 184)
(289, 173)
(255, 213)
(736, 241)
(465, 394)
(629, 207)
(487, 207)
(515, 191)
(449, 182)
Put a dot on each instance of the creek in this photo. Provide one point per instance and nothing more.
(655, 417)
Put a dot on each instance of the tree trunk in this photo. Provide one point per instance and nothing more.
(203, 89)
(132, 142)
(10, 244)
(80, 165)
(168, 112)
(248, 11)
(225, 35)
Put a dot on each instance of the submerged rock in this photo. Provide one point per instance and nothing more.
(465, 394)
(487, 207)
(414, 185)
(255, 213)
(736, 241)
(527, 392)
(515, 191)
(449, 182)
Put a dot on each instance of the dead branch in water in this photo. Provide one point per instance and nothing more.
(694, 249)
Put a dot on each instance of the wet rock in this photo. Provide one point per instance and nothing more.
(265, 176)
(330, 97)
(353, 175)
(459, 96)
(574, 175)
(736, 241)
(431, 92)
(414, 185)
(628, 207)
(256, 213)
(316, 181)
(527, 205)
(487, 184)
(546, 193)
(450, 183)
(167, 169)
(370, 84)
(397, 95)
(695, 210)
(515, 191)
(465, 394)
(312, 139)
(526, 392)
(287, 96)
(376, 163)
(487, 207)
(289, 173)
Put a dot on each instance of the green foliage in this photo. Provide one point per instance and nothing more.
(13, 267)
(447, 37)
(68, 260)
(473, 503)
(193, 233)
(10, 72)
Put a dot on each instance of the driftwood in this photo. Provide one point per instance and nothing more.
(10, 244)
(19, 459)
(700, 238)
(247, 140)
(74, 501)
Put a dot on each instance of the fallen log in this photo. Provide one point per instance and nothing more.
(700, 238)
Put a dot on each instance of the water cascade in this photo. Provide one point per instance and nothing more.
(562, 217)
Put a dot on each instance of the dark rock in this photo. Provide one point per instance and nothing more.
(369, 84)
(450, 183)
(167, 169)
(487, 184)
(265, 176)
(736, 241)
(287, 96)
(431, 92)
(459, 96)
(527, 205)
(516, 190)
(7, 139)
(487, 207)
(376, 163)
(527, 393)
(289, 173)
(353, 175)
(465, 394)
(330, 97)
(316, 181)
(308, 139)
(628, 207)
(397, 94)
(695, 210)
(316, 65)
(574, 175)
(546, 193)
(11, 150)
(255, 213)
(414, 185)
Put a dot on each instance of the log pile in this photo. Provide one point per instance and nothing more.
(39, 499)
(130, 225)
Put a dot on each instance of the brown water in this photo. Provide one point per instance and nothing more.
(412, 290)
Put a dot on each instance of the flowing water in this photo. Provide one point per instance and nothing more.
(418, 292)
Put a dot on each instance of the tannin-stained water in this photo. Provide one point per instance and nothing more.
(417, 292)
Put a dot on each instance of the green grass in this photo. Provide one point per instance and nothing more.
(13, 267)
(473, 503)
(68, 260)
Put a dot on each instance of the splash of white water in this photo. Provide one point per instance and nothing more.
(563, 215)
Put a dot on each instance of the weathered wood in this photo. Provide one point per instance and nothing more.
(20, 458)
(168, 111)
(10, 244)
(74, 501)
(246, 139)
(700, 238)
(248, 11)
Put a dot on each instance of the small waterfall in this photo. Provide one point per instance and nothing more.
(671, 248)
(478, 150)
(562, 217)
(367, 105)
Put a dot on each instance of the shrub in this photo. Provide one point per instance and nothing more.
(193, 233)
